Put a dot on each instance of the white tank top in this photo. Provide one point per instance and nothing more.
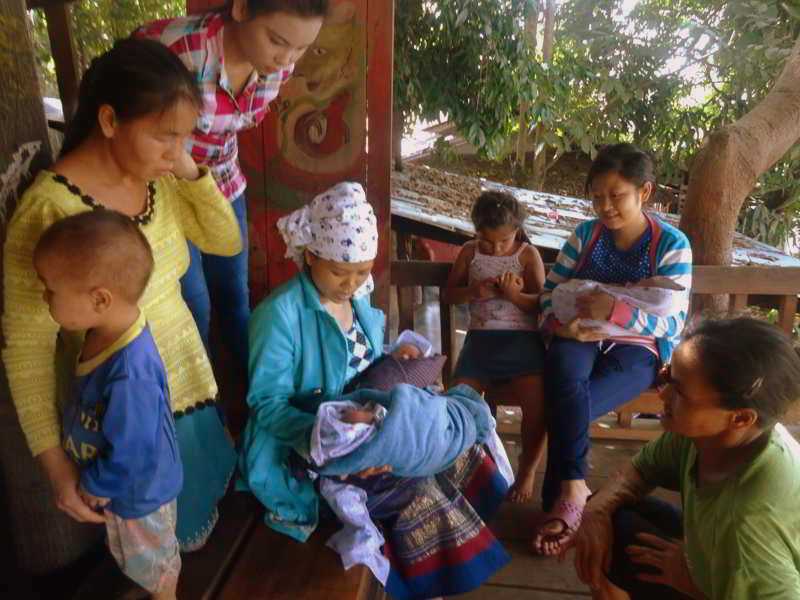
(497, 313)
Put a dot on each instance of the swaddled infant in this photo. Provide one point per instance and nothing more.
(656, 295)
(413, 430)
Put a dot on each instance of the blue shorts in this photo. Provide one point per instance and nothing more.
(495, 356)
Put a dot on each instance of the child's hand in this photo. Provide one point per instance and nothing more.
(595, 305)
(486, 289)
(354, 415)
(64, 477)
(184, 166)
(510, 285)
(407, 352)
(92, 501)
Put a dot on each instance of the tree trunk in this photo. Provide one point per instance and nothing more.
(539, 147)
(42, 537)
(726, 168)
(397, 137)
(531, 21)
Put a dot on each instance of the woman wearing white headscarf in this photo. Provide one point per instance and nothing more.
(308, 339)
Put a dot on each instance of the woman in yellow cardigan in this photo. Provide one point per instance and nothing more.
(124, 152)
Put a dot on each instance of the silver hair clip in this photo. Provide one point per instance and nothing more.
(754, 388)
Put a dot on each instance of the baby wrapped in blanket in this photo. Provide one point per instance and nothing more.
(414, 431)
(657, 295)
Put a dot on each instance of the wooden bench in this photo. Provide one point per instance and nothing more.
(244, 558)
(271, 566)
(740, 283)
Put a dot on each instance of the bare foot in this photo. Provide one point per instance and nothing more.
(522, 490)
(552, 534)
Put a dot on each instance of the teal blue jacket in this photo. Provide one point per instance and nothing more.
(298, 359)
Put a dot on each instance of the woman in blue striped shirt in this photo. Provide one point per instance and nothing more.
(587, 373)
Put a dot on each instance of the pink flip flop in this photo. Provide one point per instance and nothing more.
(569, 515)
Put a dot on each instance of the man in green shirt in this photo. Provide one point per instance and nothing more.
(737, 470)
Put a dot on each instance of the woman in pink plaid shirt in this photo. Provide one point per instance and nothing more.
(240, 55)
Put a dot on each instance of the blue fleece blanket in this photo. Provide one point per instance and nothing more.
(422, 434)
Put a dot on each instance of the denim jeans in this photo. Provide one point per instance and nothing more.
(583, 381)
(221, 282)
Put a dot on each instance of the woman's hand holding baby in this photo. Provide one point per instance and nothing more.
(576, 330)
(595, 305)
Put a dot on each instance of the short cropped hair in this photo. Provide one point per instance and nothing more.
(101, 248)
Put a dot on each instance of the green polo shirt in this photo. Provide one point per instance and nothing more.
(742, 535)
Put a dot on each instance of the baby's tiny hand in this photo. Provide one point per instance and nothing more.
(92, 501)
(354, 415)
(510, 284)
(407, 352)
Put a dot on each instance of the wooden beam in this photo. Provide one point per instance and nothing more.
(420, 272)
(431, 232)
(749, 279)
(59, 29)
(770, 281)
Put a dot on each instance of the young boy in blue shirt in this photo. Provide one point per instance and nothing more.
(117, 426)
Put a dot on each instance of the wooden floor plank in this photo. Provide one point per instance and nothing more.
(203, 572)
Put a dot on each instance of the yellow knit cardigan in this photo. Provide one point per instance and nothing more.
(177, 210)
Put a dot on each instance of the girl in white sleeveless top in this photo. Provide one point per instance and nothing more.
(501, 275)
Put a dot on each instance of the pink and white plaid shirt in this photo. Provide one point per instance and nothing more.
(197, 41)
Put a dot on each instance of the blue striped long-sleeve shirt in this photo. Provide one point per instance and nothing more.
(672, 258)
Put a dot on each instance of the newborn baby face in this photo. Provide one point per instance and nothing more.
(407, 352)
(355, 415)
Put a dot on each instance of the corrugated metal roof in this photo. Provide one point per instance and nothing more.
(442, 199)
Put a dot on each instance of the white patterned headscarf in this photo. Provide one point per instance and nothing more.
(337, 225)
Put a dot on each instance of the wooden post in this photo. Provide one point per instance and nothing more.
(380, 69)
(405, 294)
(738, 302)
(62, 47)
(68, 73)
(448, 335)
(786, 311)
(43, 537)
(21, 111)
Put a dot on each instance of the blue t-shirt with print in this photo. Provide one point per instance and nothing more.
(118, 427)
